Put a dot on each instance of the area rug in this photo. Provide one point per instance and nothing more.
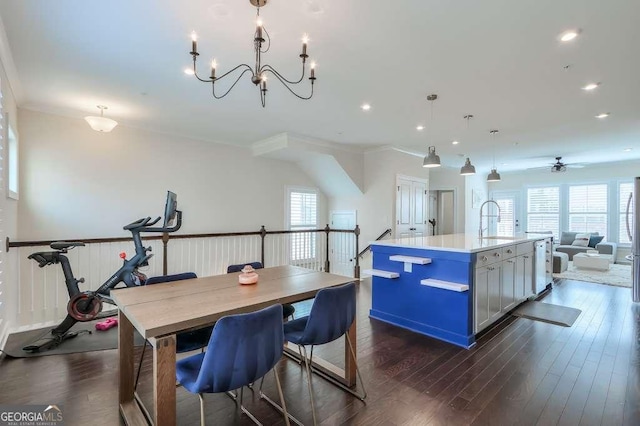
(546, 312)
(617, 275)
(84, 342)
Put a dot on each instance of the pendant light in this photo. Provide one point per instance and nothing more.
(468, 169)
(432, 159)
(102, 123)
(494, 176)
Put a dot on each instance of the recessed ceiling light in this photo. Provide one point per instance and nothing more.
(455, 142)
(188, 71)
(603, 115)
(420, 127)
(627, 149)
(569, 35)
(365, 107)
(591, 86)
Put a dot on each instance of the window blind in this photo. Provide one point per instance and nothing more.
(506, 225)
(303, 214)
(588, 208)
(543, 210)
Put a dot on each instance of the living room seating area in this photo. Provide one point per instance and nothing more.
(573, 243)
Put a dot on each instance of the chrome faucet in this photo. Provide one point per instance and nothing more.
(488, 216)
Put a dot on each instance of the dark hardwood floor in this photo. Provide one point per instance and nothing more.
(520, 372)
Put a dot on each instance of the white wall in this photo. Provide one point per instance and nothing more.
(442, 178)
(9, 224)
(476, 183)
(80, 183)
(376, 207)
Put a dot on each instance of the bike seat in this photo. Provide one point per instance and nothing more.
(62, 245)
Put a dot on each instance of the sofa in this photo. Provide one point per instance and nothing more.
(566, 245)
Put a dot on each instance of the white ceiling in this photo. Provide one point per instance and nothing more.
(499, 60)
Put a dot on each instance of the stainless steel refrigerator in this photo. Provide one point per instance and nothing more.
(633, 229)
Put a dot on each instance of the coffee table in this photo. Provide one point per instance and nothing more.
(599, 262)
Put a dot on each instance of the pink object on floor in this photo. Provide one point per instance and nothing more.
(107, 324)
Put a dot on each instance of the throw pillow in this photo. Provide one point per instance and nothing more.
(582, 240)
(595, 239)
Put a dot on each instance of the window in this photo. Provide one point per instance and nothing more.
(588, 208)
(12, 163)
(507, 223)
(624, 189)
(303, 214)
(543, 210)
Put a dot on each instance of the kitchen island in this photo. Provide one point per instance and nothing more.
(452, 287)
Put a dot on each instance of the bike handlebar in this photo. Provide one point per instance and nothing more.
(147, 224)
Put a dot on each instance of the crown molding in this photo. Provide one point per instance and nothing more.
(9, 66)
(397, 149)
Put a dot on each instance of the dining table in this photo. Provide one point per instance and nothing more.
(160, 311)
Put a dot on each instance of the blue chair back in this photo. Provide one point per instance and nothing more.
(170, 278)
(238, 267)
(332, 313)
(242, 349)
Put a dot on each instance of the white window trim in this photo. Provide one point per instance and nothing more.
(9, 153)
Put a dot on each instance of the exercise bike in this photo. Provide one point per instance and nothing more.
(86, 305)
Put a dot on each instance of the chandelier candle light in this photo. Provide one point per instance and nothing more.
(260, 70)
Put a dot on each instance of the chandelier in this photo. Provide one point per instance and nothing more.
(259, 71)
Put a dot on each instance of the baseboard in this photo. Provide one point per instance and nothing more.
(4, 334)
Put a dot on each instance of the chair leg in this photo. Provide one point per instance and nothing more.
(308, 368)
(201, 409)
(244, 410)
(281, 409)
(135, 386)
(284, 405)
(342, 386)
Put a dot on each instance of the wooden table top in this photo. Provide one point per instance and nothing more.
(167, 308)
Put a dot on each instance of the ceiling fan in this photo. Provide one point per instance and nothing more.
(560, 167)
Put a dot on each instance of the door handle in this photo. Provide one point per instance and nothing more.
(412, 229)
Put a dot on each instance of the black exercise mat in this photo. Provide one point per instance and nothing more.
(546, 312)
(84, 342)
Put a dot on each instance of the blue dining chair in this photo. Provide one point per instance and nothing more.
(287, 309)
(242, 349)
(332, 313)
(186, 341)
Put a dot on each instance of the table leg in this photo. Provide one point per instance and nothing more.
(164, 380)
(125, 354)
(349, 360)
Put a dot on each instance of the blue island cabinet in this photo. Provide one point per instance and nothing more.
(430, 292)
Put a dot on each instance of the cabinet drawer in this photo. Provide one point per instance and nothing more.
(508, 252)
(488, 257)
(524, 248)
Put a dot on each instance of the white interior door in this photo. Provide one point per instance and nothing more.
(342, 246)
(411, 207)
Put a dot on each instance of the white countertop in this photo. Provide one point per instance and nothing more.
(464, 243)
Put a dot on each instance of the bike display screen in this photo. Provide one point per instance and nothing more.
(170, 209)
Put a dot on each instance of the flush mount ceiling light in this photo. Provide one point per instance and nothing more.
(603, 115)
(102, 123)
(468, 169)
(259, 71)
(569, 35)
(432, 159)
(494, 176)
(591, 86)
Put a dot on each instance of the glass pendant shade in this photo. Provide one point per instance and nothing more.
(468, 169)
(494, 176)
(101, 124)
(432, 159)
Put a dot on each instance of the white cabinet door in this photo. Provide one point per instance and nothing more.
(524, 277)
(519, 284)
(528, 275)
(508, 299)
(494, 278)
(481, 291)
